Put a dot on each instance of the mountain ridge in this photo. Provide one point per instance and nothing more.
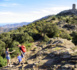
(72, 11)
(15, 25)
(9, 27)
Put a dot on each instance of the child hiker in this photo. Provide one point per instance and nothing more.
(19, 58)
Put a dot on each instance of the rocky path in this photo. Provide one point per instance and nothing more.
(55, 55)
(21, 66)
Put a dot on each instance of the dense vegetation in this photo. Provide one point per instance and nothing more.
(42, 29)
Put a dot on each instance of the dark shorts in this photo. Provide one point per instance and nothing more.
(22, 55)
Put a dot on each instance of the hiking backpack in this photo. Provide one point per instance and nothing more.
(23, 48)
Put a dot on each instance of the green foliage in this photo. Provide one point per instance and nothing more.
(74, 34)
(22, 37)
(3, 61)
(53, 18)
(27, 45)
(65, 35)
(72, 20)
(67, 20)
(51, 30)
(45, 38)
(14, 47)
(7, 40)
(2, 48)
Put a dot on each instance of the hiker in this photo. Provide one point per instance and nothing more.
(8, 56)
(19, 58)
(23, 51)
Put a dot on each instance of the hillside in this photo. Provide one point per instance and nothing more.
(51, 42)
(56, 54)
(72, 11)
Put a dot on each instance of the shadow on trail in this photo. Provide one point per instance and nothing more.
(59, 63)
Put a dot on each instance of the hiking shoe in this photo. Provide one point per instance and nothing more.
(11, 65)
(22, 64)
(8, 65)
(26, 62)
(19, 63)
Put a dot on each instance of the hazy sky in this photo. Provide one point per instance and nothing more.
(13, 11)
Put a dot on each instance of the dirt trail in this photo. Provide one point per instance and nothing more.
(21, 66)
(52, 56)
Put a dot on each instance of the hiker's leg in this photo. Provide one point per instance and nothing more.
(22, 61)
(7, 62)
(10, 63)
(24, 57)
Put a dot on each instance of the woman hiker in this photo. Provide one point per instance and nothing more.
(8, 56)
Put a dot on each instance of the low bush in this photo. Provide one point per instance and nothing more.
(74, 38)
(3, 61)
(45, 38)
(65, 35)
(14, 47)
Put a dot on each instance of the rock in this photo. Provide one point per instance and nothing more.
(40, 48)
(54, 65)
(60, 47)
(72, 66)
(75, 50)
(61, 42)
(39, 53)
(65, 55)
(30, 62)
(51, 55)
(75, 65)
(47, 62)
(50, 42)
(68, 67)
(56, 53)
(57, 42)
(36, 63)
(69, 26)
(75, 68)
(65, 66)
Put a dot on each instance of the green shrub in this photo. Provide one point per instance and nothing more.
(53, 18)
(45, 38)
(2, 48)
(74, 37)
(3, 61)
(22, 37)
(14, 47)
(65, 35)
(7, 40)
(51, 30)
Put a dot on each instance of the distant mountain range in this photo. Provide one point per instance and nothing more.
(8, 27)
(15, 25)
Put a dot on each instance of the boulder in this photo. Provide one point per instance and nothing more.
(65, 55)
(69, 26)
(61, 42)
